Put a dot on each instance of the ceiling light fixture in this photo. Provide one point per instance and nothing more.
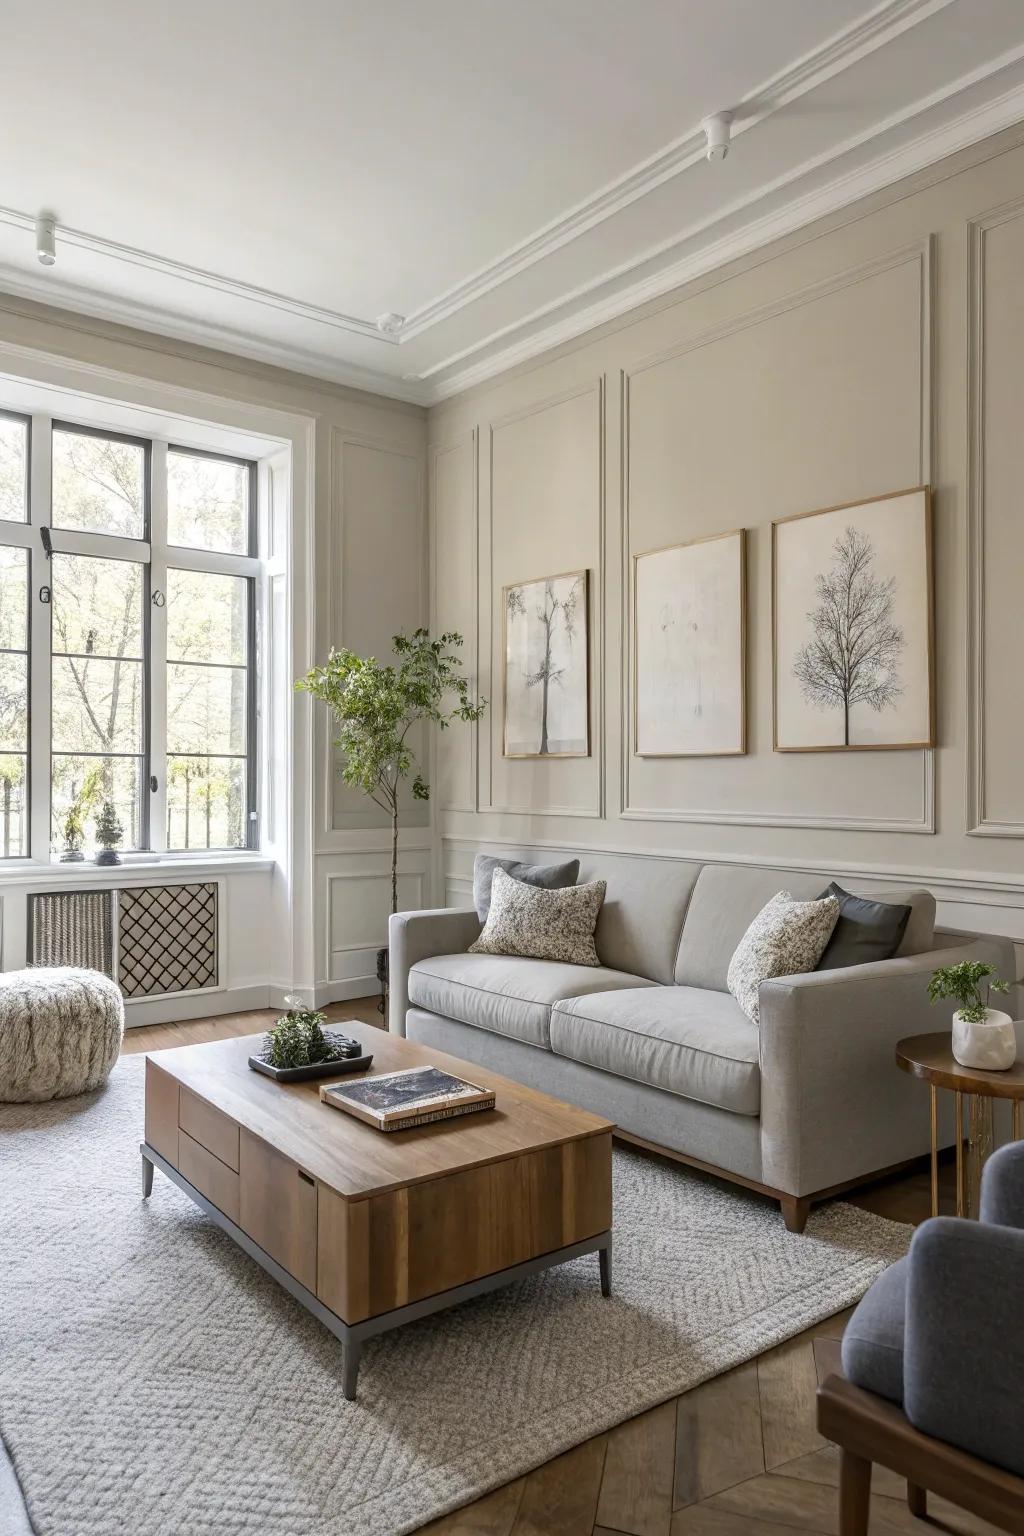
(717, 129)
(46, 239)
(389, 324)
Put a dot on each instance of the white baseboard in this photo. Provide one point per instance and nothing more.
(343, 991)
(194, 1005)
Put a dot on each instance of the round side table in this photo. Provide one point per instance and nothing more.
(931, 1057)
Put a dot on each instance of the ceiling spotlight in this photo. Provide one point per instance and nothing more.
(46, 239)
(717, 130)
(389, 324)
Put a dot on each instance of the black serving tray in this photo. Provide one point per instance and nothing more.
(336, 1068)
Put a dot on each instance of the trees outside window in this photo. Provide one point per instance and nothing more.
(130, 589)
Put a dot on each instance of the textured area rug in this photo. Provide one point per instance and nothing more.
(154, 1380)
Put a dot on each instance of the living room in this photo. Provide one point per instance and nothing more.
(511, 900)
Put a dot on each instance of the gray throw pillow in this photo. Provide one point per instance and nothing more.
(550, 877)
(867, 930)
(540, 924)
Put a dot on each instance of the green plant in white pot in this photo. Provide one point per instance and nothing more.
(983, 1037)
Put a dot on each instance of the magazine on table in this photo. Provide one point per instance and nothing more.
(393, 1101)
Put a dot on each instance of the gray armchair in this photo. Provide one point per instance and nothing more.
(940, 1335)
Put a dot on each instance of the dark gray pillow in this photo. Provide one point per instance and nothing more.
(549, 877)
(866, 930)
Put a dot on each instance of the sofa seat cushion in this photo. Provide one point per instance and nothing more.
(698, 1044)
(508, 994)
(873, 1339)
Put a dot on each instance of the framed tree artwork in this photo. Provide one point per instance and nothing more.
(689, 648)
(852, 617)
(547, 667)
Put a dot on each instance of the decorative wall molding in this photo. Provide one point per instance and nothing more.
(595, 386)
(919, 254)
(978, 823)
(937, 144)
(882, 25)
(436, 452)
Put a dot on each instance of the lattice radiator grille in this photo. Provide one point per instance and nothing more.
(164, 937)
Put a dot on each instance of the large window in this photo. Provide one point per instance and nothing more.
(127, 619)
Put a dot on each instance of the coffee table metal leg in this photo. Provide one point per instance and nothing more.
(351, 1353)
(147, 1177)
(604, 1258)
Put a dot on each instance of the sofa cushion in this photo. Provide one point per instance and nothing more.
(537, 924)
(551, 877)
(505, 993)
(642, 916)
(697, 1044)
(920, 930)
(867, 930)
(873, 1339)
(786, 938)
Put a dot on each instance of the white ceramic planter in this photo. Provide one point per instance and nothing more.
(990, 1045)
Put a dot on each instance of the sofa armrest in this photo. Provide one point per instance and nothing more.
(834, 1104)
(963, 1357)
(1002, 1187)
(414, 936)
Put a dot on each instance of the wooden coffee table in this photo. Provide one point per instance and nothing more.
(372, 1230)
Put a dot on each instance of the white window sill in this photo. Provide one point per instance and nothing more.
(136, 868)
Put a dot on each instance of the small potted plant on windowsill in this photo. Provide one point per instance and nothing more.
(74, 836)
(983, 1037)
(109, 833)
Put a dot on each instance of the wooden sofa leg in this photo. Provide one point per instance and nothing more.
(854, 1494)
(795, 1211)
(917, 1501)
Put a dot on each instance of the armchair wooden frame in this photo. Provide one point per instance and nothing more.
(867, 1429)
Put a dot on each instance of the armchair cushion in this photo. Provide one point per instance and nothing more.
(874, 1337)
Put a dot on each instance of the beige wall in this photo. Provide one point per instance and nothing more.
(369, 559)
(835, 366)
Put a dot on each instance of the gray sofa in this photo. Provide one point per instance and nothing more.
(808, 1103)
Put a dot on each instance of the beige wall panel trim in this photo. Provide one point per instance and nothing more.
(918, 254)
(494, 663)
(363, 886)
(979, 824)
(471, 655)
(973, 887)
(342, 440)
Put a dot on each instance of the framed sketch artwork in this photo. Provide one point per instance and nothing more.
(852, 613)
(547, 667)
(689, 648)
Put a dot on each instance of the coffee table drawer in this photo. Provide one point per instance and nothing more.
(214, 1130)
(210, 1176)
(278, 1207)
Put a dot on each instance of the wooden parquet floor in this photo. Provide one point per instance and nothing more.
(738, 1456)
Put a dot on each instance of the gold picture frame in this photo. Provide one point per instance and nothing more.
(740, 536)
(926, 643)
(582, 576)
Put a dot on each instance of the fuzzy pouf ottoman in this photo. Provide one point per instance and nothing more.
(60, 1032)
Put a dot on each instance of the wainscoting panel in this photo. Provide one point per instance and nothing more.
(808, 380)
(545, 513)
(995, 551)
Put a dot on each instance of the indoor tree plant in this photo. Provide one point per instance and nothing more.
(982, 1036)
(109, 833)
(376, 706)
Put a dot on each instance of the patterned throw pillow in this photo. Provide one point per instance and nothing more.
(544, 925)
(786, 938)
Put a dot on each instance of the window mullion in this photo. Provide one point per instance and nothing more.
(39, 503)
(157, 651)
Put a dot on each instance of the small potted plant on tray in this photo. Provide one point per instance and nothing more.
(982, 1036)
(298, 1047)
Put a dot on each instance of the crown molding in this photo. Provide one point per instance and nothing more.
(936, 144)
(49, 290)
(844, 49)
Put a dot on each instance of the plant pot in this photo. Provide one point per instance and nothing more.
(990, 1045)
(108, 856)
(72, 856)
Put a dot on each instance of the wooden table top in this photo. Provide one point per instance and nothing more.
(931, 1057)
(356, 1159)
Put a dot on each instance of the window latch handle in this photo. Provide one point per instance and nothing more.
(153, 786)
(44, 534)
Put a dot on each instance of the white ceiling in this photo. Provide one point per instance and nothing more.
(503, 173)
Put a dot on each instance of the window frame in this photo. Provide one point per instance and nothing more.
(156, 556)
